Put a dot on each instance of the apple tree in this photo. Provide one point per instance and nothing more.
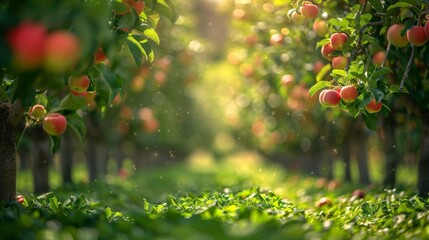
(378, 53)
(59, 57)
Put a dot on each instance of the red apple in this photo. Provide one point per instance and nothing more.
(417, 36)
(27, 42)
(276, 39)
(317, 66)
(54, 124)
(79, 94)
(394, 35)
(37, 111)
(20, 199)
(339, 62)
(338, 40)
(62, 52)
(333, 184)
(138, 5)
(378, 58)
(373, 106)
(309, 10)
(358, 193)
(324, 201)
(287, 80)
(329, 98)
(326, 51)
(348, 93)
(297, 18)
(79, 83)
(99, 56)
(320, 27)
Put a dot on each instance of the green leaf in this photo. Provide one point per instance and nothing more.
(136, 50)
(371, 120)
(338, 73)
(150, 33)
(55, 143)
(339, 22)
(397, 89)
(398, 5)
(150, 55)
(320, 85)
(108, 212)
(70, 102)
(76, 123)
(376, 4)
(167, 9)
(127, 21)
(322, 73)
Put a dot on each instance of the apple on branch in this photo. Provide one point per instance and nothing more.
(54, 124)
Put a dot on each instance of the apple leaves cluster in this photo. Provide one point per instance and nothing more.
(113, 37)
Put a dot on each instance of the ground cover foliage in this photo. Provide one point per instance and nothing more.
(241, 197)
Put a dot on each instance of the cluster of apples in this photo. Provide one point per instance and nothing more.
(417, 35)
(308, 10)
(336, 43)
(54, 124)
(56, 52)
(348, 94)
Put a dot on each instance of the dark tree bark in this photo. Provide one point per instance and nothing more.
(7, 154)
(67, 152)
(423, 177)
(345, 152)
(360, 138)
(392, 156)
(91, 159)
(42, 158)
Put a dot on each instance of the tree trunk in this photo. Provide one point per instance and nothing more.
(41, 160)
(423, 177)
(91, 159)
(360, 138)
(345, 151)
(392, 157)
(67, 158)
(7, 154)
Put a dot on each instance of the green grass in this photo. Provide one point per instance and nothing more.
(240, 197)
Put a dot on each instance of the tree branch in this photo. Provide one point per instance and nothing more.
(407, 70)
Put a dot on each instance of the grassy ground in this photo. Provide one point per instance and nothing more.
(240, 197)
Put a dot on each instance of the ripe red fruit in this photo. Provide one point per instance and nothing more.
(417, 36)
(79, 83)
(320, 27)
(324, 201)
(358, 193)
(394, 36)
(276, 39)
(339, 62)
(137, 5)
(348, 93)
(297, 18)
(54, 124)
(99, 56)
(373, 106)
(309, 10)
(287, 80)
(329, 98)
(20, 199)
(378, 58)
(326, 50)
(62, 52)
(37, 111)
(338, 40)
(27, 41)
